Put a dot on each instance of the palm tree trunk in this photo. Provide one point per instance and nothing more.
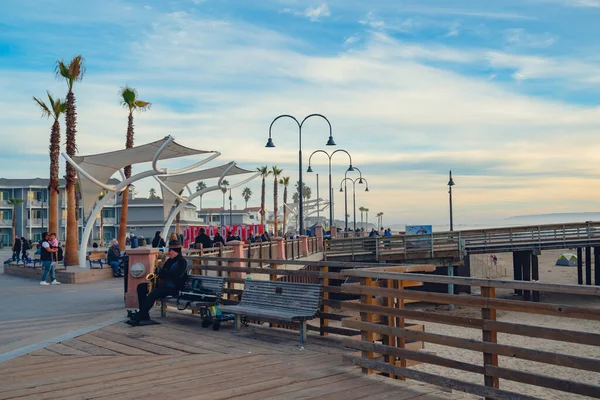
(101, 228)
(275, 195)
(71, 257)
(262, 203)
(177, 224)
(14, 223)
(284, 208)
(125, 195)
(53, 187)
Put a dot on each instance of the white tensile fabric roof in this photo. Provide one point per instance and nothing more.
(103, 166)
(178, 182)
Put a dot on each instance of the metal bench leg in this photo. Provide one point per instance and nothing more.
(237, 325)
(302, 332)
(163, 309)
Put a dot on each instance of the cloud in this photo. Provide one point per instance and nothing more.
(519, 37)
(316, 13)
(217, 84)
(372, 21)
(583, 3)
(352, 39)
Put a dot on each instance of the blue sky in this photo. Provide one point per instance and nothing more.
(504, 93)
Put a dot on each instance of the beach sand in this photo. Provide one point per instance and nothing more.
(549, 273)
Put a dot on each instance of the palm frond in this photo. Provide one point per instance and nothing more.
(45, 109)
(128, 97)
(142, 105)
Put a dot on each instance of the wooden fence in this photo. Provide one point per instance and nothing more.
(391, 357)
(389, 336)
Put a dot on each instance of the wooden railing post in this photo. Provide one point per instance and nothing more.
(324, 322)
(367, 336)
(489, 359)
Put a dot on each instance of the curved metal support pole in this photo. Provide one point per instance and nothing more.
(122, 173)
(87, 231)
(158, 153)
(189, 190)
(168, 189)
(86, 174)
(193, 166)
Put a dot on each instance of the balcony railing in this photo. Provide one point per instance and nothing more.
(36, 204)
(36, 222)
(5, 203)
(5, 222)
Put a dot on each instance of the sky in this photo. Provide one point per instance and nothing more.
(503, 93)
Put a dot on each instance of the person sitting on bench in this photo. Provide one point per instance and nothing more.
(171, 278)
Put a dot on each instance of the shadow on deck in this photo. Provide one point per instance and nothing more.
(178, 359)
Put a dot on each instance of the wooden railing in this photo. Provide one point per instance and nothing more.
(391, 357)
(477, 241)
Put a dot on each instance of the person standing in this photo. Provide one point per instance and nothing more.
(24, 248)
(134, 241)
(16, 249)
(46, 253)
(158, 241)
(203, 239)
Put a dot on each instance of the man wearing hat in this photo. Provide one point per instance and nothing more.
(171, 279)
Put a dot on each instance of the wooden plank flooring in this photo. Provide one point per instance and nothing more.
(180, 360)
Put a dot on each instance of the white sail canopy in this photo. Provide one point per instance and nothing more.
(178, 182)
(104, 165)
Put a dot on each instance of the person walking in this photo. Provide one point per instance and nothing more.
(46, 253)
(203, 239)
(24, 248)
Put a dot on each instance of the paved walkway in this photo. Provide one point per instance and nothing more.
(178, 360)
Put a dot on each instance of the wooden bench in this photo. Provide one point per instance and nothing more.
(198, 294)
(97, 257)
(280, 301)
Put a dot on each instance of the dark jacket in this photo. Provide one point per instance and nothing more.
(113, 254)
(205, 240)
(158, 242)
(174, 273)
(135, 243)
(219, 239)
(17, 245)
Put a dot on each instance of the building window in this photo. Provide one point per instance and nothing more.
(4, 195)
(4, 238)
(36, 237)
(108, 237)
(6, 214)
(251, 216)
(34, 214)
(108, 212)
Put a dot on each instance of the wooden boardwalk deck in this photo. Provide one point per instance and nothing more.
(178, 360)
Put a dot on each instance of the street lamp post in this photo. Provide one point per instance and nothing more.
(330, 142)
(450, 184)
(329, 156)
(318, 202)
(359, 180)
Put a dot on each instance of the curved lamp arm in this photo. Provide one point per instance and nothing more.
(345, 179)
(354, 168)
(318, 151)
(317, 115)
(366, 183)
(350, 168)
(282, 116)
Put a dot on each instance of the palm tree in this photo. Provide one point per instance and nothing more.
(362, 210)
(71, 73)
(264, 172)
(246, 194)
(129, 100)
(306, 192)
(153, 194)
(285, 181)
(55, 108)
(379, 220)
(15, 203)
(199, 186)
(276, 172)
